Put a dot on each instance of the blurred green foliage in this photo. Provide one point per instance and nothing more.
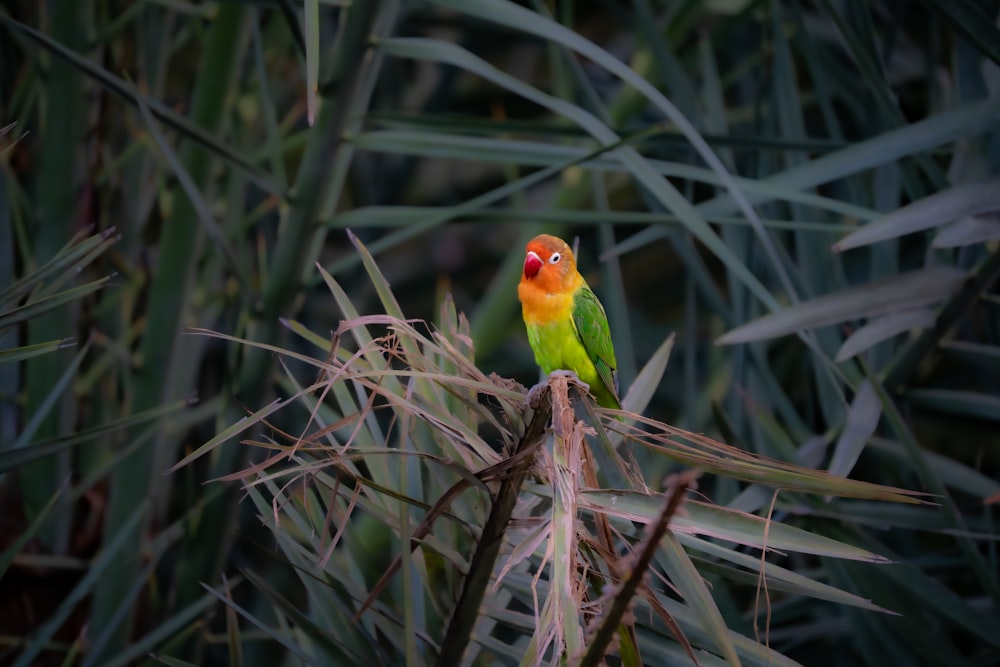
(805, 192)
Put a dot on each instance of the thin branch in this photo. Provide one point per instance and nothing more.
(601, 638)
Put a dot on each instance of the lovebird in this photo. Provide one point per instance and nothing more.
(567, 327)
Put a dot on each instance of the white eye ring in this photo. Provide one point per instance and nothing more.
(554, 259)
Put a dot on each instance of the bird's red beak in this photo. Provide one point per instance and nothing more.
(532, 264)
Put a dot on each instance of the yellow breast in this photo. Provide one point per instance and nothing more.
(542, 303)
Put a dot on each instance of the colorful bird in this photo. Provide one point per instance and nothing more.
(566, 324)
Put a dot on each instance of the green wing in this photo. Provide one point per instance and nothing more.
(591, 324)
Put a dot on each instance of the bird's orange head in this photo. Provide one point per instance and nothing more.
(549, 264)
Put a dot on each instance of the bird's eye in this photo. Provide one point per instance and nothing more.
(554, 259)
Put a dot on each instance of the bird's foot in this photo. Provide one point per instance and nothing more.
(534, 397)
(571, 377)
